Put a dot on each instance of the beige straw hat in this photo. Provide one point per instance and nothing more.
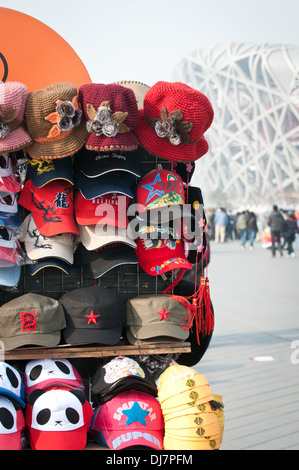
(55, 122)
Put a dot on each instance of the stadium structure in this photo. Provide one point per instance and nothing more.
(253, 158)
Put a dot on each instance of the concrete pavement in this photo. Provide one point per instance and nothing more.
(253, 357)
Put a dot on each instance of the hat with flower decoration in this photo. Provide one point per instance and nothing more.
(173, 121)
(111, 113)
(13, 134)
(55, 122)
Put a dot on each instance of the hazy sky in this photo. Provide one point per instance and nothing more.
(144, 40)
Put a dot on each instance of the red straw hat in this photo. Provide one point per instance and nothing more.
(111, 113)
(173, 121)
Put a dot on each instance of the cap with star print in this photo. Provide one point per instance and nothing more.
(155, 318)
(93, 315)
(131, 418)
(157, 192)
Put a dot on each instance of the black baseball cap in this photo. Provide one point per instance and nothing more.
(93, 315)
(36, 266)
(120, 374)
(185, 170)
(42, 172)
(105, 258)
(93, 164)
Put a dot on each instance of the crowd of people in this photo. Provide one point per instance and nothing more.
(224, 226)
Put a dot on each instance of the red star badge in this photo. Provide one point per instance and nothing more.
(92, 318)
(164, 313)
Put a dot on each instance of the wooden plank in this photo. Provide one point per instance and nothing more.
(94, 351)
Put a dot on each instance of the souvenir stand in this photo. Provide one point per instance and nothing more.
(64, 129)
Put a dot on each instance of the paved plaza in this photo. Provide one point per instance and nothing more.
(253, 357)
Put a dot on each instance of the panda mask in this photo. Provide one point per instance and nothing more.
(58, 419)
(12, 423)
(11, 383)
(45, 373)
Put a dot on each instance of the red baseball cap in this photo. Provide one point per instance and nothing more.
(12, 423)
(12, 254)
(51, 207)
(160, 188)
(58, 419)
(108, 209)
(161, 194)
(162, 256)
(130, 418)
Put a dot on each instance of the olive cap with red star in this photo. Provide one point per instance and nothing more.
(93, 315)
(155, 318)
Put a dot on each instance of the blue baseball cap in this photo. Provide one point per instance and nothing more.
(12, 221)
(10, 274)
(114, 182)
(41, 172)
(34, 268)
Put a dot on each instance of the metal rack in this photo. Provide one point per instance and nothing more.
(127, 281)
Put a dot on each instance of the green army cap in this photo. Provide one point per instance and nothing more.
(155, 318)
(31, 319)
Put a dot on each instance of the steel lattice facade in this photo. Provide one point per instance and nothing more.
(253, 160)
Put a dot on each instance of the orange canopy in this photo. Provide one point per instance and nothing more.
(34, 54)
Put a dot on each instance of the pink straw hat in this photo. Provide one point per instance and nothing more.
(13, 134)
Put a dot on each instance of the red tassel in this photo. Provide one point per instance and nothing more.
(193, 306)
(191, 311)
(198, 303)
(208, 316)
(183, 300)
(200, 314)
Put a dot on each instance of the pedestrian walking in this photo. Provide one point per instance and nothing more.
(276, 223)
(220, 222)
(290, 229)
(210, 214)
(242, 229)
(252, 229)
(230, 228)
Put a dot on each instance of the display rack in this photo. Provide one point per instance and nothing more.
(126, 281)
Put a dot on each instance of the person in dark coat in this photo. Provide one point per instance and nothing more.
(252, 229)
(276, 224)
(290, 230)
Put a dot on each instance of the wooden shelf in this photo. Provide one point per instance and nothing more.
(94, 351)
